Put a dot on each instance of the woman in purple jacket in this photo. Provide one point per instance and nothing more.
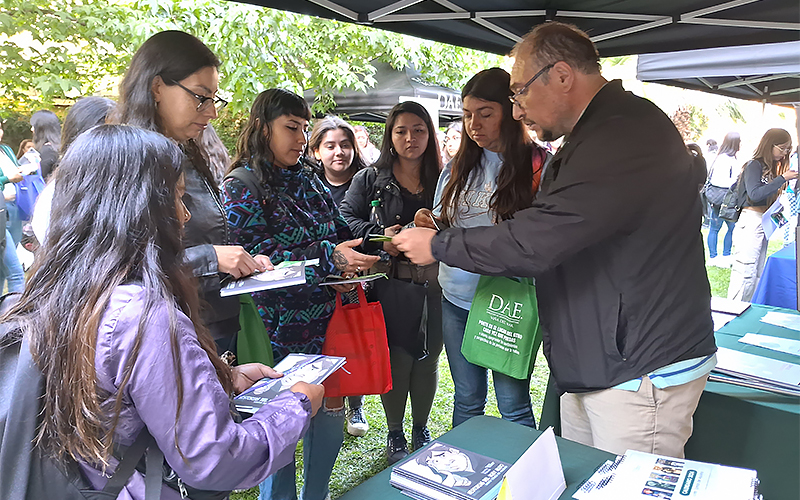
(112, 319)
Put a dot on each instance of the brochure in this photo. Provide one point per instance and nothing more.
(729, 306)
(782, 319)
(285, 274)
(646, 476)
(443, 472)
(789, 346)
(310, 368)
(744, 365)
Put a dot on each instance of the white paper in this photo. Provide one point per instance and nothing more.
(721, 319)
(782, 319)
(757, 367)
(646, 476)
(538, 475)
(789, 346)
(728, 306)
(773, 218)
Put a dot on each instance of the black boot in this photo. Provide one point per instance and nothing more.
(420, 436)
(396, 447)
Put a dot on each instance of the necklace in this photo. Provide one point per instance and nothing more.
(406, 181)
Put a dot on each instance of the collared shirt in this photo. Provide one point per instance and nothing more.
(678, 373)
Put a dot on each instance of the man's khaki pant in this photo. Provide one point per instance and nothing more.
(650, 420)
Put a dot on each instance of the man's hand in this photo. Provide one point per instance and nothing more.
(246, 375)
(416, 244)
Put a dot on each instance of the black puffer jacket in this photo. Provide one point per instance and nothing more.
(207, 227)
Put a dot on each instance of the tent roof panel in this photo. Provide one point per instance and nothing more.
(619, 27)
(767, 72)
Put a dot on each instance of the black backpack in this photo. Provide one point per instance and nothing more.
(28, 474)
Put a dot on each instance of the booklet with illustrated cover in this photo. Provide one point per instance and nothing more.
(441, 471)
(285, 274)
(310, 368)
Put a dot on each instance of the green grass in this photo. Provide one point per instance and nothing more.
(362, 458)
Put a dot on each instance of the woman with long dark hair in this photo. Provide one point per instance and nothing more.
(170, 88)
(334, 146)
(381, 200)
(491, 176)
(724, 170)
(764, 178)
(46, 139)
(112, 322)
(295, 219)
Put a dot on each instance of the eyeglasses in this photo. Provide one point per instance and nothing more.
(782, 149)
(524, 88)
(205, 101)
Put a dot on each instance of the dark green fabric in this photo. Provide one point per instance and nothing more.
(498, 439)
(252, 343)
(750, 428)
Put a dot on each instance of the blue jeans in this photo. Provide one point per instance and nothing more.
(12, 269)
(321, 446)
(471, 381)
(714, 225)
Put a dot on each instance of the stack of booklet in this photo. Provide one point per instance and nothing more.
(444, 472)
(309, 368)
(638, 475)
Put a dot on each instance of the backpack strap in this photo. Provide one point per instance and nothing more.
(248, 178)
(127, 464)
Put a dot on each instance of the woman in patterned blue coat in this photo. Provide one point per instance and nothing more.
(296, 220)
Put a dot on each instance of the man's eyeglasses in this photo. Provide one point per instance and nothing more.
(524, 88)
(205, 101)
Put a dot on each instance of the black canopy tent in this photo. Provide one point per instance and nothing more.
(392, 84)
(618, 27)
(765, 72)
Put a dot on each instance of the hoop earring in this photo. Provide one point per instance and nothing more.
(392, 151)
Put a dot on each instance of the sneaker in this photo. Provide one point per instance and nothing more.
(356, 423)
(396, 447)
(420, 436)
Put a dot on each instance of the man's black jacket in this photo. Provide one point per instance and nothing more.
(614, 244)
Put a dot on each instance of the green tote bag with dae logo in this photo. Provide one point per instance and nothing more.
(503, 331)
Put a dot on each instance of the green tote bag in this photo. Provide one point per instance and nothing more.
(252, 343)
(503, 331)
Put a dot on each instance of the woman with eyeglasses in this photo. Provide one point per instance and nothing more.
(171, 88)
(764, 177)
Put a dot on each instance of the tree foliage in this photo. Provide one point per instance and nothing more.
(690, 121)
(64, 48)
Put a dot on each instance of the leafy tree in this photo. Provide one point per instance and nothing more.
(65, 48)
(690, 121)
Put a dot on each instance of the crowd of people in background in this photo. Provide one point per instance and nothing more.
(143, 193)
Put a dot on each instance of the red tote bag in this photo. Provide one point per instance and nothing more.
(358, 333)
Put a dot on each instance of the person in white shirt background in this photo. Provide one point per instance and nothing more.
(723, 172)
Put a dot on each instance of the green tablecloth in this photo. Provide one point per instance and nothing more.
(751, 428)
(501, 440)
(738, 426)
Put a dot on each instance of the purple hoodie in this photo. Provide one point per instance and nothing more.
(219, 453)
